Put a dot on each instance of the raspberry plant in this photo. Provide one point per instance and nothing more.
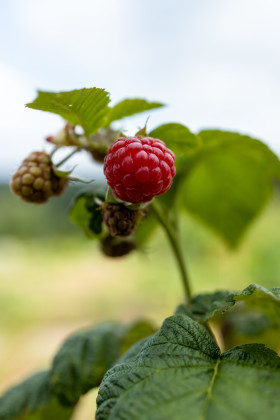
(216, 356)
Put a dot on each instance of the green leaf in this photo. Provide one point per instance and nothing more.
(32, 400)
(180, 372)
(134, 332)
(229, 182)
(256, 317)
(86, 355)
(243, 317)
(133, 351)
(204, 307)
(177, 137)
(129, 107)
(243, 325)
(86, 213)
(145, 229)
(84, 107)
(266, 300)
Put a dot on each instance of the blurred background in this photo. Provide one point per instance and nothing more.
(216, 65)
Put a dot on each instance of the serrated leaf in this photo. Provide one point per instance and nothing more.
(129, 107)
(180, 373)
(177, 137)
(32, 400)
(86, 213)
(248, 316)
(229, 182)
(204, 307)
(86, 355)
(266, 300)
(84, 107)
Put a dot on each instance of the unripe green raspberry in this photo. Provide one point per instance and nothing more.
(120, 220)
(35, 181)
(117, 247)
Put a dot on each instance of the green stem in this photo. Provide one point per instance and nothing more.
(67, 157)
(54, 150)
(210, 332)
(175, 245)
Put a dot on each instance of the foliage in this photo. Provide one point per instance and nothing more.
(78, 366)
(85, 107)
(130, 107)
(224, 180)
(242, 317)
(181, 370)
(32, 400)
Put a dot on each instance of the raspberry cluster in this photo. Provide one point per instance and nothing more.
(117, 247)
(120, 220)
(137, 169)
(35, 181)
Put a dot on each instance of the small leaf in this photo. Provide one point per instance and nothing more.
(86, 213)
(95, 223)
(84, 107)
(129, 107)
(205, 306)
(86, 355)
(266, 300)
(247, 316)
(229, 182)
(180, 372)
(32, 400)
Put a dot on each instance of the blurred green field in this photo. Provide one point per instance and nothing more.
(53, 280)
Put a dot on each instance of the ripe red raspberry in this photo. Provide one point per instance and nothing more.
(137, 169)
(35, 181)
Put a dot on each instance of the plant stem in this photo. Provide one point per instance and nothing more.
(175, 245)
(210, 332)
(67, 157)
(54, 150)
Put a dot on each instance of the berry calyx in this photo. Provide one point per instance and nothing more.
(120, 220)
(137, 169)
(35, 180)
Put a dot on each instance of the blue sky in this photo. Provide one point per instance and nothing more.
(215, 63)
